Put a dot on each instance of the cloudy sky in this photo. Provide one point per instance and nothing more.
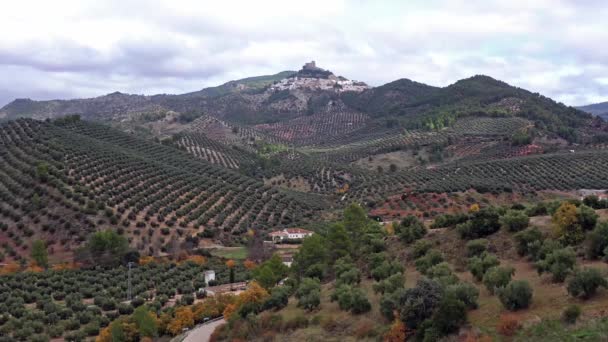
(66, 49)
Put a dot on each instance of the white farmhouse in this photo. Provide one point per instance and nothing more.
(290, 234)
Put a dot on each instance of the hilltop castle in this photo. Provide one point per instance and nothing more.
(312, 66)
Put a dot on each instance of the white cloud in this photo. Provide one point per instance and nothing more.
(81, 48)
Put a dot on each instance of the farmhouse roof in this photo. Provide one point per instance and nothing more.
(297, 231)
(290, 231)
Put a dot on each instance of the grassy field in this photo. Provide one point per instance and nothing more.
(237, 253)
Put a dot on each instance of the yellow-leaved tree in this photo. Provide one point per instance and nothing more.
(184, 318)
(566, 225)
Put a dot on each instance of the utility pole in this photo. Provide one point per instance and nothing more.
(129, 285)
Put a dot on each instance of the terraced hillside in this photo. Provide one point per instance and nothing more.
(317, 128)
(63, 180)
(213, 151)
(558, 171)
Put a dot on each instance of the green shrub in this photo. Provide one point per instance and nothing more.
(279, 298)
(497, 277)
(515, 221)
(55, 330)
(359, 302)
(465, 292)
(72, 324)
(410, 229)
(450, 315)
(430, 259)
(571, 314)
(476, 247)
(420, 248)
(481, 264)
(125, 309)
(352, 276)
(137, 302)
(598, 241)
(417, 304)
(343, 295)
(92, 329)
(75, 336)
(309, 293)
(108, 305)
(516, 295)
(386, 269)
(559, 263)
(587, 217)
(447, 220)
(390, 302)
(525, 239)
(481, 223)
(390, 284)
(442, 273)
(585, 282)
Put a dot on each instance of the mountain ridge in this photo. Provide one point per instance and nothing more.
(288, 95)
(600, 109)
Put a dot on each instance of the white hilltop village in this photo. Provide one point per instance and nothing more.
(314, 78)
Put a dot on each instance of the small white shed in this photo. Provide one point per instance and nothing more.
(209, 276)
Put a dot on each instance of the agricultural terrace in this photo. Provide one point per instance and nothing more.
(61, 181)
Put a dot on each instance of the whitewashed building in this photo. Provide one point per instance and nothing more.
(290, 234)
(209, 276)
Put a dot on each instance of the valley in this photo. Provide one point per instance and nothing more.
(470, 212)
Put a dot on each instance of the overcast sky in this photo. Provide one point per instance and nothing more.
(66, 49)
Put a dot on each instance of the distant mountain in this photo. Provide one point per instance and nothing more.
(254, 100)
(117, 106)
(599, 109)
(415, 105)
(319, 94)
(249, 83)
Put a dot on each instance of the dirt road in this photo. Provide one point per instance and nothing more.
(202, 333)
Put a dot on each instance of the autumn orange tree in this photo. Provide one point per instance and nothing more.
(396, 332)
(121, 329)
(184, 318)
(33, 267)
(197, 259)
(254, 295)
(142, 324)
(145, 260)
(11, 267)
(249, 264)
(212, 306)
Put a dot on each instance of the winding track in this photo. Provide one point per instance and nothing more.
(203, 332)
